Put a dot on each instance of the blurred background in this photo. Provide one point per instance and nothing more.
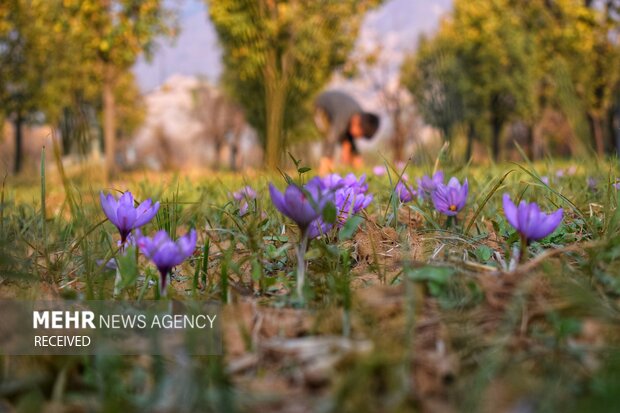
(230, 84)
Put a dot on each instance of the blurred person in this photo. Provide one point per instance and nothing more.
(343, 121)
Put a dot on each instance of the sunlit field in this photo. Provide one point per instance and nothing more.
(402, 308)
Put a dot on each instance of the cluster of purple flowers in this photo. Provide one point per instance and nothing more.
(448, 198)
(161, 249)
(427, 185)
(350, 197)
(304, 205)
(243, 197)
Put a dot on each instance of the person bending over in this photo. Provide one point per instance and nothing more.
(343, 121)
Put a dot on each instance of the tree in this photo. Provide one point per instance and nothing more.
(601, 75)
(513, 59)
(223, 122)
(30, 73)
(114, 34)
(279, 53)
(496, 55)
(432, 77)
(54, 56)
(478, 69)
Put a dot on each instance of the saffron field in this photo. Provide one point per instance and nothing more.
(372, 292)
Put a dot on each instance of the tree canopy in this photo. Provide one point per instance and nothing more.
(493, 62)
(279, 53)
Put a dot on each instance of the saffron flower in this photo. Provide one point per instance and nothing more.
(301, 204)
(451, 198)
(242, 197)
(166, 253)
(529, 221)
(404, 191)
(318, 227)
(427, 185)
(124, 215)
(592, 183)
(350, 197)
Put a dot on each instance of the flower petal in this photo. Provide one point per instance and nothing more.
(510, 211)
(145, 212)
(125, 217)
(109, 205)
(187, 244)
(278, 200)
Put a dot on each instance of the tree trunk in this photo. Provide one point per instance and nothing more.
(471, 134)
(218, 151)
(275, 120)
(65, 130)
(615, 128)
(398, 143)
(531, 153)
(597, 133)
(234, 151)
(19, 122)
(109, 123)
(497, 131)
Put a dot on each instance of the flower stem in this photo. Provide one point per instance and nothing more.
(449, 222)
(163, 284)
(301, 263)
(117, 282)
(523, 252)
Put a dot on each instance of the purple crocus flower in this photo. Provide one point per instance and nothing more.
(242, 197)
(125, 215)
(404, 191)
(166, 253)
(427, 185)
(617, 184)
(318, 227)
(247, 192)
(301, 204)
(349, 196)
(592, 183)
(529, 221)
(329, 183)
(451, 198)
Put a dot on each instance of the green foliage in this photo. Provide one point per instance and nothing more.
(278, 54)
(499, 61)
(56, 55)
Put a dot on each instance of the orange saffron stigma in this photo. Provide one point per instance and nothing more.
(452, 208)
